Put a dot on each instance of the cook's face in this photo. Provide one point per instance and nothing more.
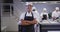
(29, 7)
(57, 10)
(44, 10)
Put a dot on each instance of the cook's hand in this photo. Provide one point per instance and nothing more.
(31, 22)
(25, 23)
(54, 18)
(34, 21)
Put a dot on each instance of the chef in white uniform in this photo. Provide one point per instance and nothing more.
(56, 13)
(37, 26)
(35, 10)
(28, 19)
(44, 14)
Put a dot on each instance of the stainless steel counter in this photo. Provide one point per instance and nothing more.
(48, 25)
(50, 22)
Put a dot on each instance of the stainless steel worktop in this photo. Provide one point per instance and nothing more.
(49, 25)
(50, 22)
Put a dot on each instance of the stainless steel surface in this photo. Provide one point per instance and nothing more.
(50, 22)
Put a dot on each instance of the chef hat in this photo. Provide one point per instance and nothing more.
(33, 7)
(44, 9)
(57, 8)
(29, 3)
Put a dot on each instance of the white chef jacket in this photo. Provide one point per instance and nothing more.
(55, 14)
(28, 14)
(36, 15)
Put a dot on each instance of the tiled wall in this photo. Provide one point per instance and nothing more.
(21, 7)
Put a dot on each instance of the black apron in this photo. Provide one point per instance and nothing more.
(28, 28)
(57, 18)
(44, 17)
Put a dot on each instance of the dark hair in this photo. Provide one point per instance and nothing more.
(33, 9)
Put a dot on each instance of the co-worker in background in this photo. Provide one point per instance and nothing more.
(44, 14)
(56, 13)
(28, 19)
(34, 9)
(36, 26)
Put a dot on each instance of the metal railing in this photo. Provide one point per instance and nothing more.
(2, 9)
